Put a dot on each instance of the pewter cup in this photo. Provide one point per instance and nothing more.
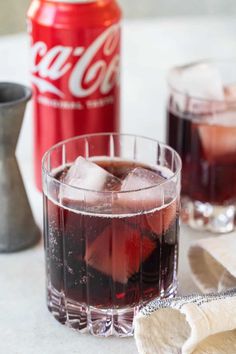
(17, 226)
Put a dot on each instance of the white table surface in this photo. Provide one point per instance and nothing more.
(150, 48)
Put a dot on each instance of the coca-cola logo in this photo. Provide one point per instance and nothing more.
(87, 75)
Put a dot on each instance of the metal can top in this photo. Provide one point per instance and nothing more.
(75, 1)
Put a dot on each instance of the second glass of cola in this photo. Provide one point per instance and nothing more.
(202, 128)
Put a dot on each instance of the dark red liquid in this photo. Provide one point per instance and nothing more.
(208, 153)
(111, 261)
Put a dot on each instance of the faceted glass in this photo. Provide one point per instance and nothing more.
(201, 119)
(109, 250)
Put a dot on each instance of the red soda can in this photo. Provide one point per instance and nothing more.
(75, 70)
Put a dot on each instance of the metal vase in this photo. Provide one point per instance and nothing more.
(17, 226)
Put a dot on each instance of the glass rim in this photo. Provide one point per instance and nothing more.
(80, 137)
(191, 64)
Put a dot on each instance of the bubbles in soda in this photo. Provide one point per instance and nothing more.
(118, 249)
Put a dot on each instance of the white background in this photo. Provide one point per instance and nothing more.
(150, 48)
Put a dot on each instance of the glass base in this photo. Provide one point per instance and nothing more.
(98, 322)
(208, 217)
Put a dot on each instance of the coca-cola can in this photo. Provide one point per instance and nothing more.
(75, 70)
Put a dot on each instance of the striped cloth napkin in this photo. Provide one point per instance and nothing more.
(196, 324)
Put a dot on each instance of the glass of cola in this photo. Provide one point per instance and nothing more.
(201, 118)
(111, 222)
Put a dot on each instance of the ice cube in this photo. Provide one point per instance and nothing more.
(200, 83)
(87, 175)
(139, 196)
(141, 178)
(203, 81)
(119, 251)
(160, 221)
(218, 136)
